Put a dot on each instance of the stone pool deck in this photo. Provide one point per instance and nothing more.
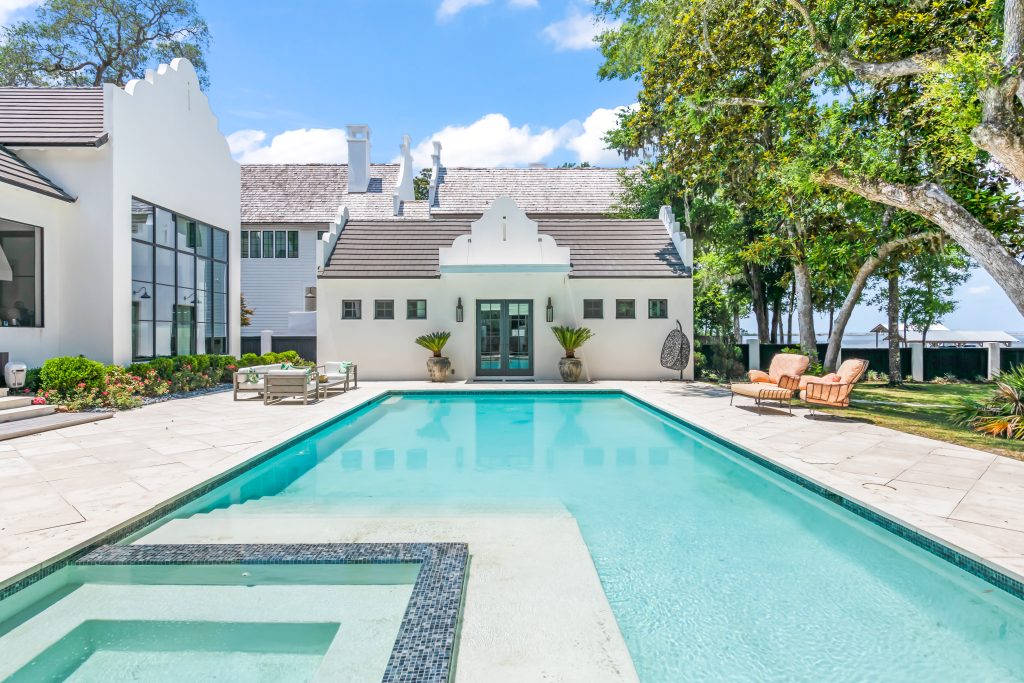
(61, 490)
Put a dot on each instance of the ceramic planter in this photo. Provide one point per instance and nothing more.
(439, 368)
(570, 369)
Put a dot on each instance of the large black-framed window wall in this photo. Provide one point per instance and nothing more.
(179, 284)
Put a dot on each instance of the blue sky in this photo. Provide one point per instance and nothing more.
(499, 82)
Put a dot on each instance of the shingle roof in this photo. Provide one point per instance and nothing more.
(51, 117)
(312, 193)
(597, 248)
(563, 192)
(14, 171)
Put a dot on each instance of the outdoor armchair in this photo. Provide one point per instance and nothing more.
(780, 383)
(834, 389)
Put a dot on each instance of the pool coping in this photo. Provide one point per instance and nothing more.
(423, 651)
(959, 557)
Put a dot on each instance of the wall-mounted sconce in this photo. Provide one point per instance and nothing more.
(144, 295)
(550, 312)
(459, 312)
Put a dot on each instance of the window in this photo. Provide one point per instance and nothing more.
(593, 308)
(657, 308)
(320, 234)
(416, 309)
(384, 309)
(21, 275)
(179, 283)
(351, 309)
(625, 308)
(255, 243)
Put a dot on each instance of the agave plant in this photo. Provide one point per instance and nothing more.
(434, 341)
(1001, 413)
(571, 338)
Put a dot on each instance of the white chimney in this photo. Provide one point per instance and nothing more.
(358, 157)
(435, 174)
(404, 188)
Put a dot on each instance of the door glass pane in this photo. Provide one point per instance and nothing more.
(489, 344)
(183, 320)
(163, 339)
(518, 336)
(142, 339)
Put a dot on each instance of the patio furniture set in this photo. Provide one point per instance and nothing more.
(275, 383)
(785, 379)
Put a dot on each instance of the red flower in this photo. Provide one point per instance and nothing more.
(81, 385)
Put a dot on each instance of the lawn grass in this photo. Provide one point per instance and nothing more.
(924, 409)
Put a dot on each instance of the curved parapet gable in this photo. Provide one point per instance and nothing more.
(503, 239)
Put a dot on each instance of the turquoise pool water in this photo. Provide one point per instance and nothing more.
(716, 568)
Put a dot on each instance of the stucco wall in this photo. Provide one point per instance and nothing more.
(384, 349)
(165, 148)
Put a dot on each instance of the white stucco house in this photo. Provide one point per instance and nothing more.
(498, 283)
(290, 213)
(119, 222)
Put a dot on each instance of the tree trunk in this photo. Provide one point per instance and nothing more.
(860, 281)
(998, 133)
(895, 371)
(759, 302)
(931, 202)
(789, 313)
(805, 309)
(831, 319)
(776, 325)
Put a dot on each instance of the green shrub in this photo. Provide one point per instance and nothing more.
(32, 379)
(66, 373)
(289, 357)
(248, 359)
(121, 388)
(1001, 413)
(163, 366)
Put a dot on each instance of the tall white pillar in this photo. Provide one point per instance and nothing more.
(266, 341)
(754, 354)
(994, 360)
(917, 362)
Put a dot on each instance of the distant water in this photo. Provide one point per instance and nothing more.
(863, 341)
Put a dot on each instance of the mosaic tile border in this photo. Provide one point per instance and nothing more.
(940, 550)
(424, 651)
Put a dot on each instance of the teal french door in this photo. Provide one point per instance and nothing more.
(504, 342)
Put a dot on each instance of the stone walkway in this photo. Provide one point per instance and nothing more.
(62, 489)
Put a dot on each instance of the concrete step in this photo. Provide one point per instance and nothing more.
(25, 413)
(46, 423)
(8, 402)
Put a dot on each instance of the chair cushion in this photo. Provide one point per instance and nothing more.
(761, 390)
(851, 370)
(759, 376)
(787, 364)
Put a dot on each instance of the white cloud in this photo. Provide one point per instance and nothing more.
(9, 7)
(577, 31)
(491, 140)
(449, 8)
(304, 145)
(980, 289)
(589, 144)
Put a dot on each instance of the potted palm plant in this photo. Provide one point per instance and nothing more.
(437, 365)
(570, 339)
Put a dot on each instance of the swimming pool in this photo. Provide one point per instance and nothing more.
(716, 568)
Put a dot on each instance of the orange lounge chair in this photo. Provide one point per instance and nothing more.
(834, 389)
(780, 383)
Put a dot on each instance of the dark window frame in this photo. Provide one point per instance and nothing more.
(357, 305)
(664, 305)
(412, 309)
(632, 303)
(292, 238)
(377, 311)
(244, 244)
(589, 314)
(40, 313)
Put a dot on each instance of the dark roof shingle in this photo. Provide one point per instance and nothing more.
(52, 117)
(14, 171)
(597, 248)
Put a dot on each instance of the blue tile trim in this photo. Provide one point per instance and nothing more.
(424, 651)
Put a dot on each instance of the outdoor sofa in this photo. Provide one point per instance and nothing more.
(241, 382)
(780, 383)
(291, 383)
(336, 375)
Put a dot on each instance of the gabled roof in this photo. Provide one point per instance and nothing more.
(605, 248)
(313, 193)
(51, 117)
(14, 171)
(565, 192)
